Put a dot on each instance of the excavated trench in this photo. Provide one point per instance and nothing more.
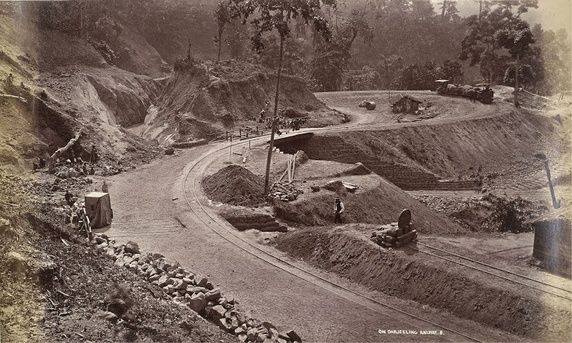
(432, 157)
(426, 157)
(411, 275)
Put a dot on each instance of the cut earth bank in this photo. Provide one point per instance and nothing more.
(452, 150)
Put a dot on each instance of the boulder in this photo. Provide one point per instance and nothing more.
(127, 260)
(163, 281)
(261, 338)
(196, 289)
(101, 247)
(203, 282)
(213, 295)
(216, 312)
(99, 240)
(252, 334)
(132, 248)
(369, 105)
(293, 336)
(197, 302)
(110, 252)
(225, 324)
(178, 283)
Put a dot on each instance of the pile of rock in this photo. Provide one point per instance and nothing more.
(391, 236)
(197, 293)
(369, 105)
(284, 192)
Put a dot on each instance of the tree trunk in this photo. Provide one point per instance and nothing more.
(516, 71)
(274, 117)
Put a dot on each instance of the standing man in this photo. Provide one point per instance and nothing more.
(93, 154)
(339, 209)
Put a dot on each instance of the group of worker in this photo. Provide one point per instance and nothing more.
(281, 122)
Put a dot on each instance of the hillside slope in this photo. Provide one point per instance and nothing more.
(202, 100)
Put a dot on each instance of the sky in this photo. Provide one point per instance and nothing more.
(552, 14)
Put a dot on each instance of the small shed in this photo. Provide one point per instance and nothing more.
(552, 241)
(406, 104)
(98, 209)
(441, 85)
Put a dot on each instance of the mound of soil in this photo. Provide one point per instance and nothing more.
(380, 205)
(235, 185)
(429, 281)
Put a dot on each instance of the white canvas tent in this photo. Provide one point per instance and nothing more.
(98, 209)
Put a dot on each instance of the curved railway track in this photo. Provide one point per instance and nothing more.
(225, 231)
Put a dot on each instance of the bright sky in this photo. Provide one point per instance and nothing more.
(552, 14)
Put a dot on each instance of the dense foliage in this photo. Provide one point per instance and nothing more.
(373, 44)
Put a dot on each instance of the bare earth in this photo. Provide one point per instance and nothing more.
(147, 203)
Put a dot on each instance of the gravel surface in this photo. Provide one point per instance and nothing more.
(145, 212)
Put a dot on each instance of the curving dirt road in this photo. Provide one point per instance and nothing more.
(150, 206)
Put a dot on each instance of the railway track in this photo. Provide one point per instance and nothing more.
(485, 268)
(222, 228)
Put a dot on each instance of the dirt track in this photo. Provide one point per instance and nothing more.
(145, 212)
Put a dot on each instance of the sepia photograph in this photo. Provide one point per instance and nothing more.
(285, 171)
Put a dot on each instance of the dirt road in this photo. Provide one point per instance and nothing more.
(148, 210)
(145, 212)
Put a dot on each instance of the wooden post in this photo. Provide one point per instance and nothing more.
(293, 166)
(555, 202)
(274, 117)
(289, 168)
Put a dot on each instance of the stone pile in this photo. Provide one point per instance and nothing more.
(197, 293)
(284, 192)
(392, 236)
(369, 105)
